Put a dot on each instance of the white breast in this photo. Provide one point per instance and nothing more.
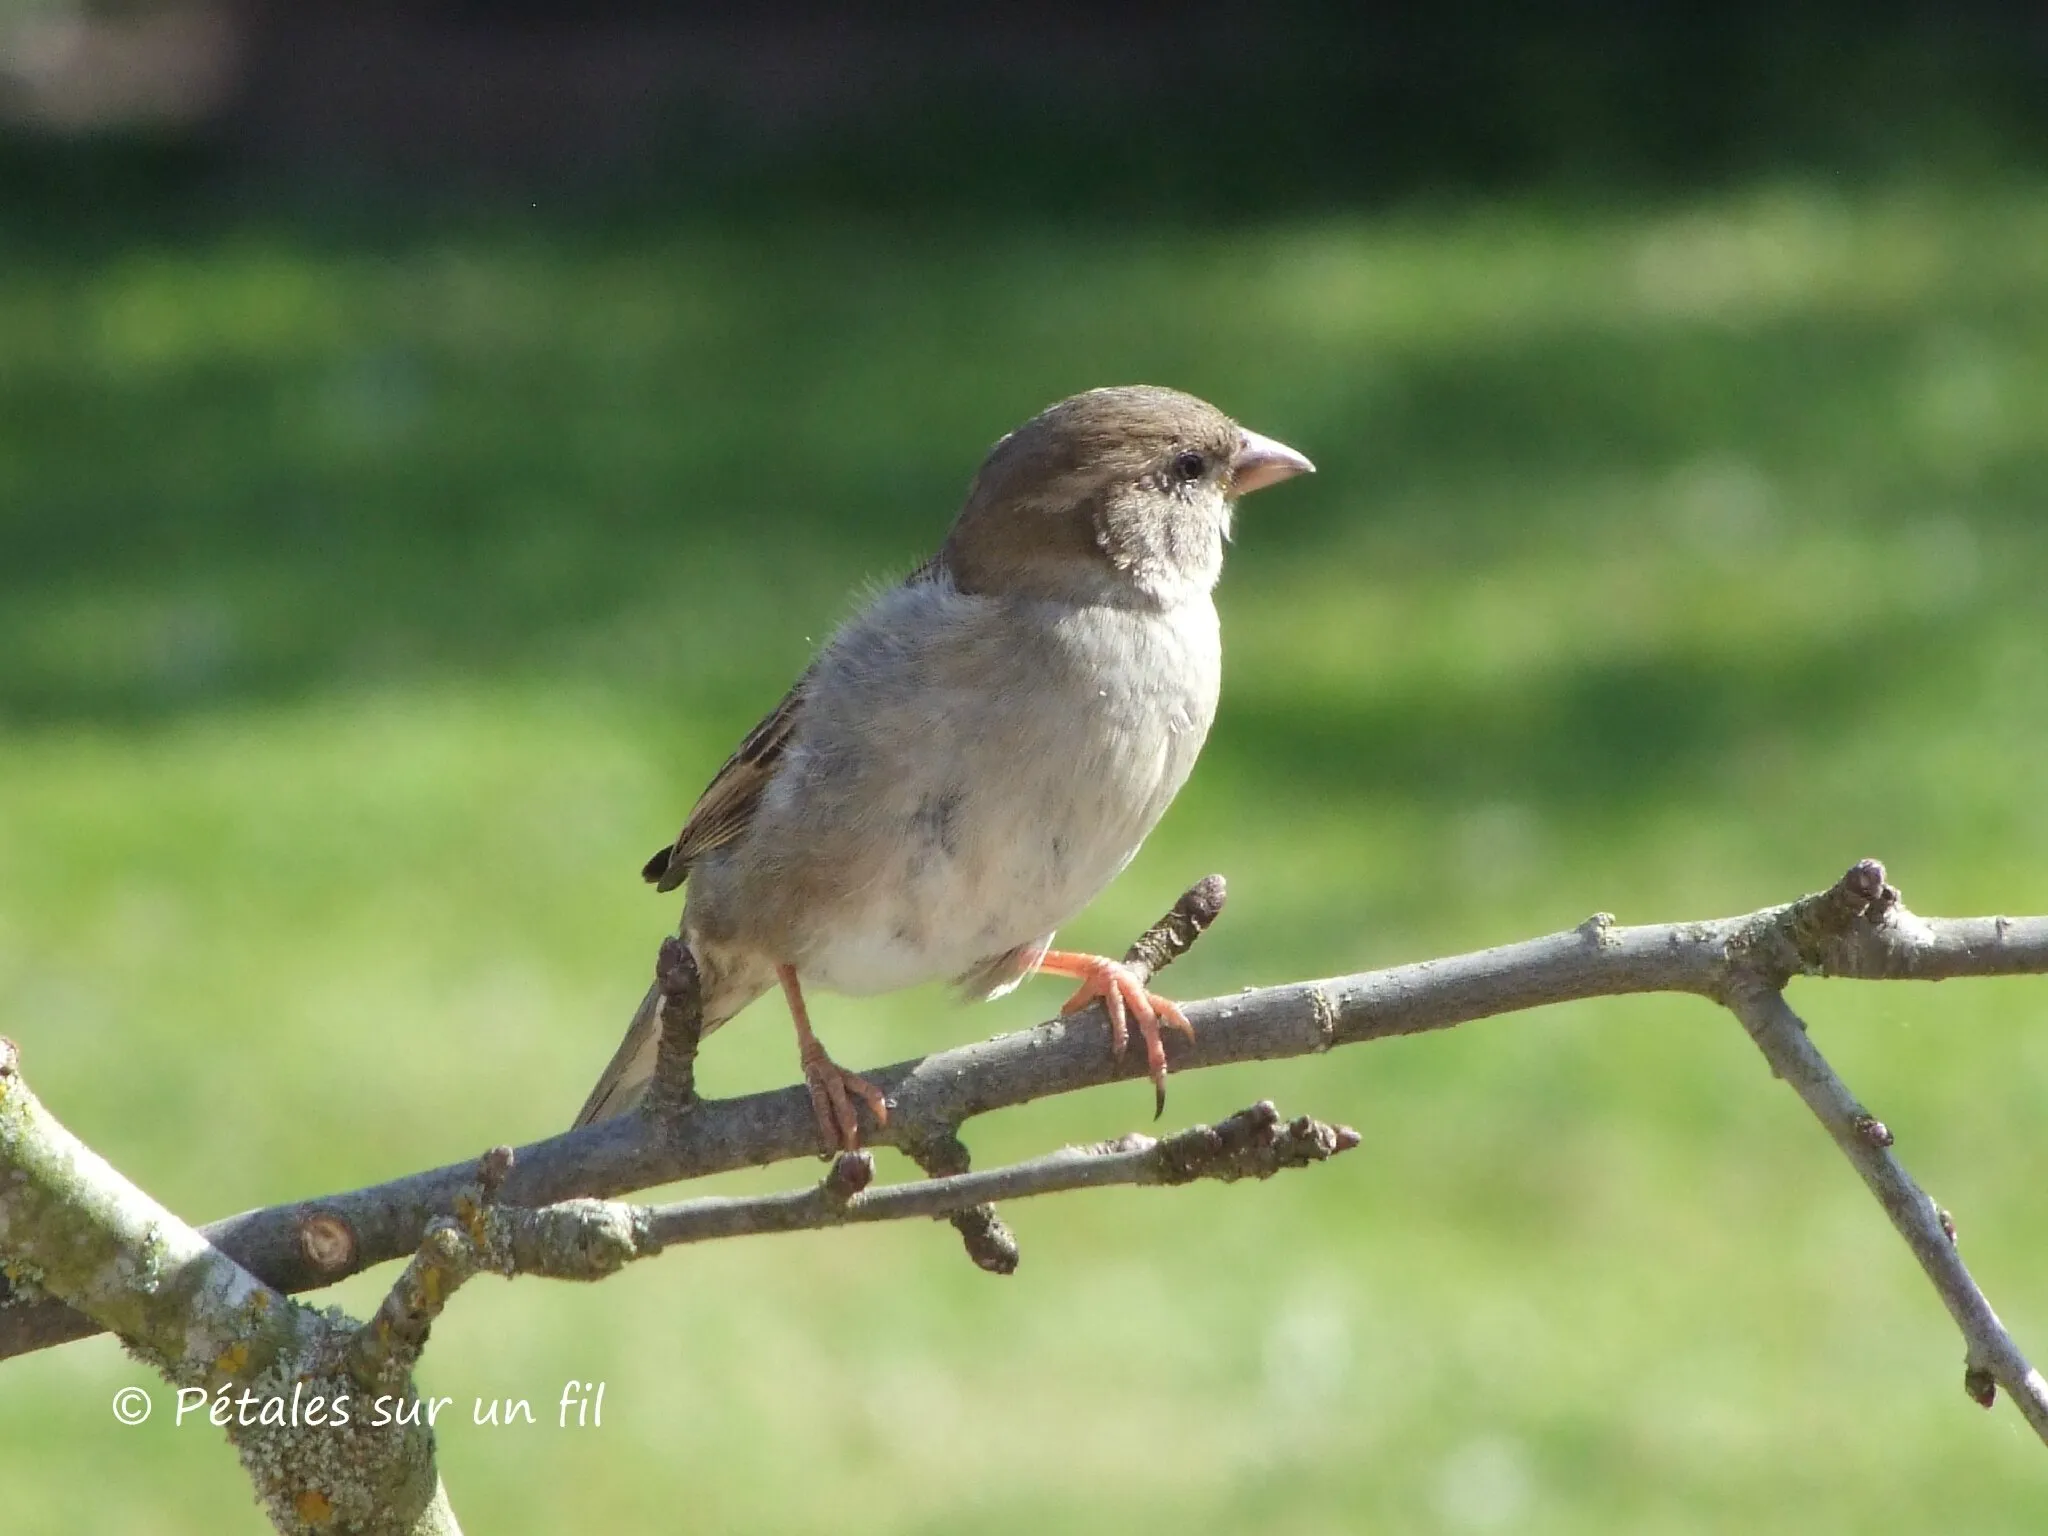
(1038, 748)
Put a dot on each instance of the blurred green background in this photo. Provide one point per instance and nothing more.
(387, 555)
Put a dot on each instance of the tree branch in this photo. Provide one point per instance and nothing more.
(591, 1239)
(1253, 1143)
(1992, 1359)
(73, 1226)
(1857, 928)
(938, 1149)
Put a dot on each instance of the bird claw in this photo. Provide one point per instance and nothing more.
(1124, 996)
(833, 1090)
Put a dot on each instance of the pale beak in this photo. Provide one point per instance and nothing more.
(1262, 462)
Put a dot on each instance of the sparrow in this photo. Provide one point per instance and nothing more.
(977, 753)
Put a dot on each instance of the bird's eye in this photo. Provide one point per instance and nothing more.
(1190, 466)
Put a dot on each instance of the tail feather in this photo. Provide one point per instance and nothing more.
(623, 1083)
(625, 1079)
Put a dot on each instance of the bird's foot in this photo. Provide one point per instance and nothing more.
(1124, 997)
(833, 1090)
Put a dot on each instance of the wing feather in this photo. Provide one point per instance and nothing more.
(726, 809)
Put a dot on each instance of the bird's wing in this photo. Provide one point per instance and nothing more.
(726, 808)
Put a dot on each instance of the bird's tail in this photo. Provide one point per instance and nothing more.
(624, 1082)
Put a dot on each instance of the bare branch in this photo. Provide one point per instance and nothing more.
(385, 1350)
(680, 991)
(77, 1228)
(1856, 928)
(1992, 1359)
(590, 1239)
(1175, 933)
(1253, 1143)
(986, 1237)
(938, 1149)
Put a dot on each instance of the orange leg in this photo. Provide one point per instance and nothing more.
(833, 1088)
(1124, 997)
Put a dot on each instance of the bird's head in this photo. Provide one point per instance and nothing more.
(1120, 495)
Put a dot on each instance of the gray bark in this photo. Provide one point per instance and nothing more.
(73, 1227)
(83, 1248)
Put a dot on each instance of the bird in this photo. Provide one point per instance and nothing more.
(974, 756)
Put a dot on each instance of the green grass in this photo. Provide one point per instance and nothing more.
(369, 611)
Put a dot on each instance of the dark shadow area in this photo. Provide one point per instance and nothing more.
(350, 114)
(459, 341)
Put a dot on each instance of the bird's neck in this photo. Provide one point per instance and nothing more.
(1093, 584)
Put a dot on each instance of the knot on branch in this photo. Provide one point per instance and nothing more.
(327, 1242)
(1980, 1386)
(1830, 932)
(1250, 1144)
(1862, 892)
(851, 1172)
(1861, 898)
(491, 1171)
(988, 1240)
